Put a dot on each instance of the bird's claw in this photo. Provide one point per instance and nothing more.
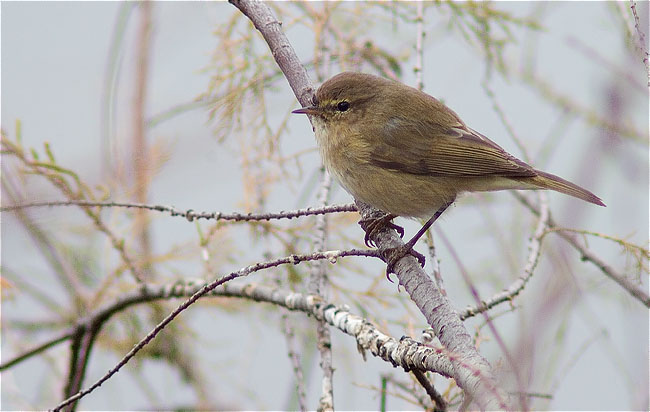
(394, 255)
(371, 226)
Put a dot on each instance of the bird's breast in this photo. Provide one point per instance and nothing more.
(347, 157)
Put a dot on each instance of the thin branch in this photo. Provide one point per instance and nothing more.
(191, 214)
(435, 262)
(641, 45)
(318, 281)
(317, 285)
(61, 337)
(294, 356)
(405, 352)
(80, 349)
(438, 400)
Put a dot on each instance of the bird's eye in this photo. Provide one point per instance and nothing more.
(343, 106)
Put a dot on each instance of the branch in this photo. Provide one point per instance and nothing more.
(405, 352)
(438, 400)
(294, 356)
(62, 337)
(81, 347)
(317, 285)
(471, 371)
(191, 214)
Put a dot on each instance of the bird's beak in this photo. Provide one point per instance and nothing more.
(307, 110)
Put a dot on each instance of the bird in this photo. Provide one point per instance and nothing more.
(405, 153)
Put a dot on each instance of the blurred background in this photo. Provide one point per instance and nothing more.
(181, 104)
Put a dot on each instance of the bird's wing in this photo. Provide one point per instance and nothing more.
(427, 148)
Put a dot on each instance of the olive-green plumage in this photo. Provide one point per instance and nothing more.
(404, 152)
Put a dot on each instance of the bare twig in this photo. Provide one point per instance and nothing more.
(406, 353)
(438, 400)
(191, 214)
(295, 362)
(641, 44)
(435, 262)
(61, 337)
(318, 282)
(80, 349)
(317, 285)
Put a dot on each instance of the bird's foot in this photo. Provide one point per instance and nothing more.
(394, 255)
(371, 226)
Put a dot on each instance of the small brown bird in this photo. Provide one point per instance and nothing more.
(404, 152)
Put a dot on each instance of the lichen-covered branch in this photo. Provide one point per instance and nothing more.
(202, 291)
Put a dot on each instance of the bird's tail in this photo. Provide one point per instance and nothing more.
(545, 180)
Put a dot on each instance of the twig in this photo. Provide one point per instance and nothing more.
(317, 285)
(80, 349)
(435, 263)
(191, 214)
(62, 337)
(641, 46)
(295, 362)
(438, 400)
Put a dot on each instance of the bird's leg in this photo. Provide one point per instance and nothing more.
(371, 226)
(393, 255)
